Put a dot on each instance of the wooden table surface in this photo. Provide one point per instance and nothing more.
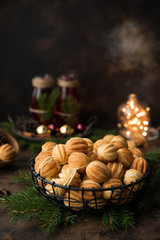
(86, 228)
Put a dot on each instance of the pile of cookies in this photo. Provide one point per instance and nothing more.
(82, 164)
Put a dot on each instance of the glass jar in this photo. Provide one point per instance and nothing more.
(39, 108)
(66, 110)
(134, 117)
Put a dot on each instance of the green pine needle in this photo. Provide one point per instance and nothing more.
(110, 220)
(153, 156)
(50, 218)
(46, 102)
(23, 177)
(69, 217)
(126, 218)
(100, 133)
(70, 106)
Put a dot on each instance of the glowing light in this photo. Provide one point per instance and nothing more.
(139, 114)
(144, 134)
(119, 125)
(128, 133)
(129, 116)
(135, 128)
(134, 117)
(132, 104)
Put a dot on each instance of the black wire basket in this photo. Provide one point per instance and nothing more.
(75, 198)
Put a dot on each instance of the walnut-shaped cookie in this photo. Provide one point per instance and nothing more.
(88, 195)
(136, 152)
(7, 152)
(92, 156)
(131, 144)
(114, 193)
(109, 137)
(116, 170)
(126, 196)
(78, 161)
(140, 164)
(119, 142)
(97, 171)
(99, 143)
(57, 191)
(132, 175)
(76, 144)
(107, 153)
(69, 177)
(90, 144)
(73, 200)
(48, 146)
(125, 157)
(139, 139)
(59, 154)
(46, 166)
(97, 204)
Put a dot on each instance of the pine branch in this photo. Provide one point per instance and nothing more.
(51, 218)
(52, 98)
(70, 106)
(68, 217)
(30, 204)
(126, 218)
(110, 220)
(23, 177)
(7, 127)
(100, 133)
(115, 218)
(153, 156)
(46, 102)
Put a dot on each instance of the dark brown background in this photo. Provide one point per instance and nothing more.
(113, 45)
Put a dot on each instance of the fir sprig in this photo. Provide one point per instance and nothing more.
(23, 177)
(70, 106)
(116, 218)
(126, 219)
(50, 218)
(30, 205)
(46, 103)
(100, 133)
(153, 156)
(110, 220)
(68, 217)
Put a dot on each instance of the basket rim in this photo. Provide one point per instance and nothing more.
(54, 184)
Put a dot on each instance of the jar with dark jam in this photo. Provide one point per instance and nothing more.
(41, 109)
(66, 110)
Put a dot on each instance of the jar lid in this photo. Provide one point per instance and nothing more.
(43, 82)
(68, 84)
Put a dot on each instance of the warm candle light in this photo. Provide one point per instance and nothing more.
(134, 117)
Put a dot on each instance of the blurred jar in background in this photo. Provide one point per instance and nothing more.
(67, 107)
(41, 108)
